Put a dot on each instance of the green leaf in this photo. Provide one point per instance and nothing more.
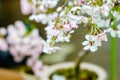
(116, 8)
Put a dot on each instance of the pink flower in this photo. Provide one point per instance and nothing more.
(37, 68)
(102, 36)
(26, 7)
(79, 1)
(3, 45)
(31, 61)
(70, 26)
(29, 45)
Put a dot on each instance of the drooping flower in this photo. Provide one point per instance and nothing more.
(91, 43)
(94, 41)
(49, 49)
(115, 32)
(68, 17)
(59, 33)
(102, 36)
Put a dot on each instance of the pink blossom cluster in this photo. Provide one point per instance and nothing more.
(98, 17)
(37, 67)
(22, 43)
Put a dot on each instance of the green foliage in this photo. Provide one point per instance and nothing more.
(99, 2)
(29, 28)
(116, 8)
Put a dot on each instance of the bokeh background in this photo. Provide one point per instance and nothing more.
(10, 12)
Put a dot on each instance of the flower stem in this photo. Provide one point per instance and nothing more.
(82, 55)
(113, 57)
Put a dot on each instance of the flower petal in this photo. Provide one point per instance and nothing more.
(93, 48)
(113, 33)
(85, 42)
(86, 47)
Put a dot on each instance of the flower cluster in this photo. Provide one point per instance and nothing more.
(99, 18)
(40, 10)
(22, 43)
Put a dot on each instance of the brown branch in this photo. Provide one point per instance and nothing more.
(82, 55)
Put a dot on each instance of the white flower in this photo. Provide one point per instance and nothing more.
(67, 38)
(59, 9)
(43, 5)
(60, 35)
(49, 49)
(63, 22)
(86, 9)
(92, 43)
(101, 22)
(43, 18)
(52, 32)
(116, 15)
(105, 10)
(115, 32)
(52, 3)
